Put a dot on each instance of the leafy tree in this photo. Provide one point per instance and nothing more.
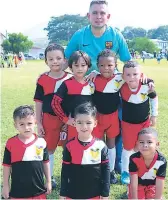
(16, 43)
(160, 33)
(142, 44)
(131, 32)
(63, 27)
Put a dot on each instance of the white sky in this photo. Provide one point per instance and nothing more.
(21, 15)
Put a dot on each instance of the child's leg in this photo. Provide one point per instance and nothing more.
(52, 126)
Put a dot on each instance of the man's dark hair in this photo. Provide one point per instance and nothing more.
(52, 47)
(75, 57)
(86, 108)
(23, 112)
(106, 53)
(97, 2)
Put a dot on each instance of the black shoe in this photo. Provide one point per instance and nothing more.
(113, 177)
(53, 183)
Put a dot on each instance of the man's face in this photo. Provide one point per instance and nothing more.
(98, 15)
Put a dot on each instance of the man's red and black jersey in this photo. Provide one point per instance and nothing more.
(69, 95)
(26, 162)
(85, 170)
(45, 89)
(147, 176)
(135, 105)
(106, 96)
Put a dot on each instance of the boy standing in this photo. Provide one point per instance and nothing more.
(85, 170)
(25, 160)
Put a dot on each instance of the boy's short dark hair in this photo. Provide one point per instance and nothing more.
(75, 57)
(148, 130)
(130, 64)
(98, 2)
(106, 53)
(23, 111)
(52, 47)
(86, 108)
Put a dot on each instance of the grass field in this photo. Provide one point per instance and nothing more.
(18, 87)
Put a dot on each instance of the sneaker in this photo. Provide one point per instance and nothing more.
(113, 177)
(125, 178)
(53, 183)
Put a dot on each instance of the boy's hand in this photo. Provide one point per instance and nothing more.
(91, 77)
(61, 197)
(5, 192)
(71, 122)
(152, 121)
(48, 187)
(104, 197)
(40, 130)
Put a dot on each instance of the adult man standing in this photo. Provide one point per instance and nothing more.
(97, 36)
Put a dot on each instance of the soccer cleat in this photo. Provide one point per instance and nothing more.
(113, 177)
(125, 178)
(53, 183)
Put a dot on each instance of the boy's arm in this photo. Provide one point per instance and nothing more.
(65, 172)
(6, 170)
(134, 186)
(159, 188)
(154, 107)
(47, 174)
(105, 173)
(38, 98)
(133, 179)
(56, 103)
(6, 187)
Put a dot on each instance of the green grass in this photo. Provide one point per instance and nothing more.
(18, 87)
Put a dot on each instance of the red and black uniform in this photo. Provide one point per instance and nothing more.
(45, 89)
(136, 112)
(70, 94)
(147, 176)
(85, 170)
(26, 162)
(106, 99)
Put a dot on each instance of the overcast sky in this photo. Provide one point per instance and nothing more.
(21, 15)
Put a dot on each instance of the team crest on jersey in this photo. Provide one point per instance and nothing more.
(117, 83)
(94, 154)
(39, 152)
(143, 96)
(92, 87)
(108, 44)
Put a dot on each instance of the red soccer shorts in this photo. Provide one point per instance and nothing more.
(52, 126)
(108, 124)
(144, 192)
(130, 133)
(42, 196)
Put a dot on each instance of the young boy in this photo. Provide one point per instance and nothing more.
(137, 98)
(25, 160)
(85, 169)
(48, 124)
(147, 167)
(73, 91)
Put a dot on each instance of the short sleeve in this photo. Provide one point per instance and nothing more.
(39, 93)
(132, 166)
(66, 156)
(161, 173)
(104, 155)
(7, 156)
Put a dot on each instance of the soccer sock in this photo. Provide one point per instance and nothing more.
(125, 159)
(51, 160)
(112, 157)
